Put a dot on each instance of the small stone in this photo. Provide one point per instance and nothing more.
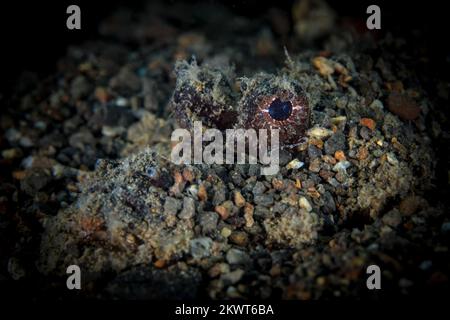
(202, 194)
(108, 131)
(316, 142)
(239, 238)
(393, 218)
(365, 133)
(338, 121)
(234, 276)
(101, 94)
(248, 215)
(218, 269)
(236, 256)
(208, 222)
(224, 210)
(304, 204)
(403, 106)
(298, 183)
(171, 206)
(362, 154)
(12, 153)
(314, 152)
(325, 174)
(188, 175)
(277, 184)
(264, 200)
(324, 66)
(160, 263)
(294, 164)
(19, 175)
(334, 143)
(329, 159)
(239, 200)
(193, 190)
(275, 271)
(188, 210)
(319, 132)
(259, 188)
(201, 247)
(312, 192)
(390, 157)
(219, 194)
(367, 122)
(225, 232)
(410, 205)
(340, 155)
(284, 157)
(341, 166)
(122, 102)
(314, 166)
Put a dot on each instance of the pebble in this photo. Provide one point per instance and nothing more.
(236, 256)
(202, 194)
(234, 276)
(295, 164)
(367, 122)
(239, 200)
(218, 269)
(225, 232)
(314, 152)
(208, 221)
(393, 218)
(259, 188)
(263, 200)
(390, 157)
(340, 155)
(12, 153)
(248, 215)
(314, 165)
(323, 65)
(304, 204)
(334, 143)
(171, 206)
(341, 166)
(122, 102)
(193, 191)
(319, 132)
(188, 210)
(365, 133)
(363, 153)
(239, 238)
(225, 209)
(403, 106)
(201, 247)
(219, 194)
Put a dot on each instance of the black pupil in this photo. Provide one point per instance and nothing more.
(280, 110)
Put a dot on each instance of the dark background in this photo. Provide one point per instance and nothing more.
(33, 33)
